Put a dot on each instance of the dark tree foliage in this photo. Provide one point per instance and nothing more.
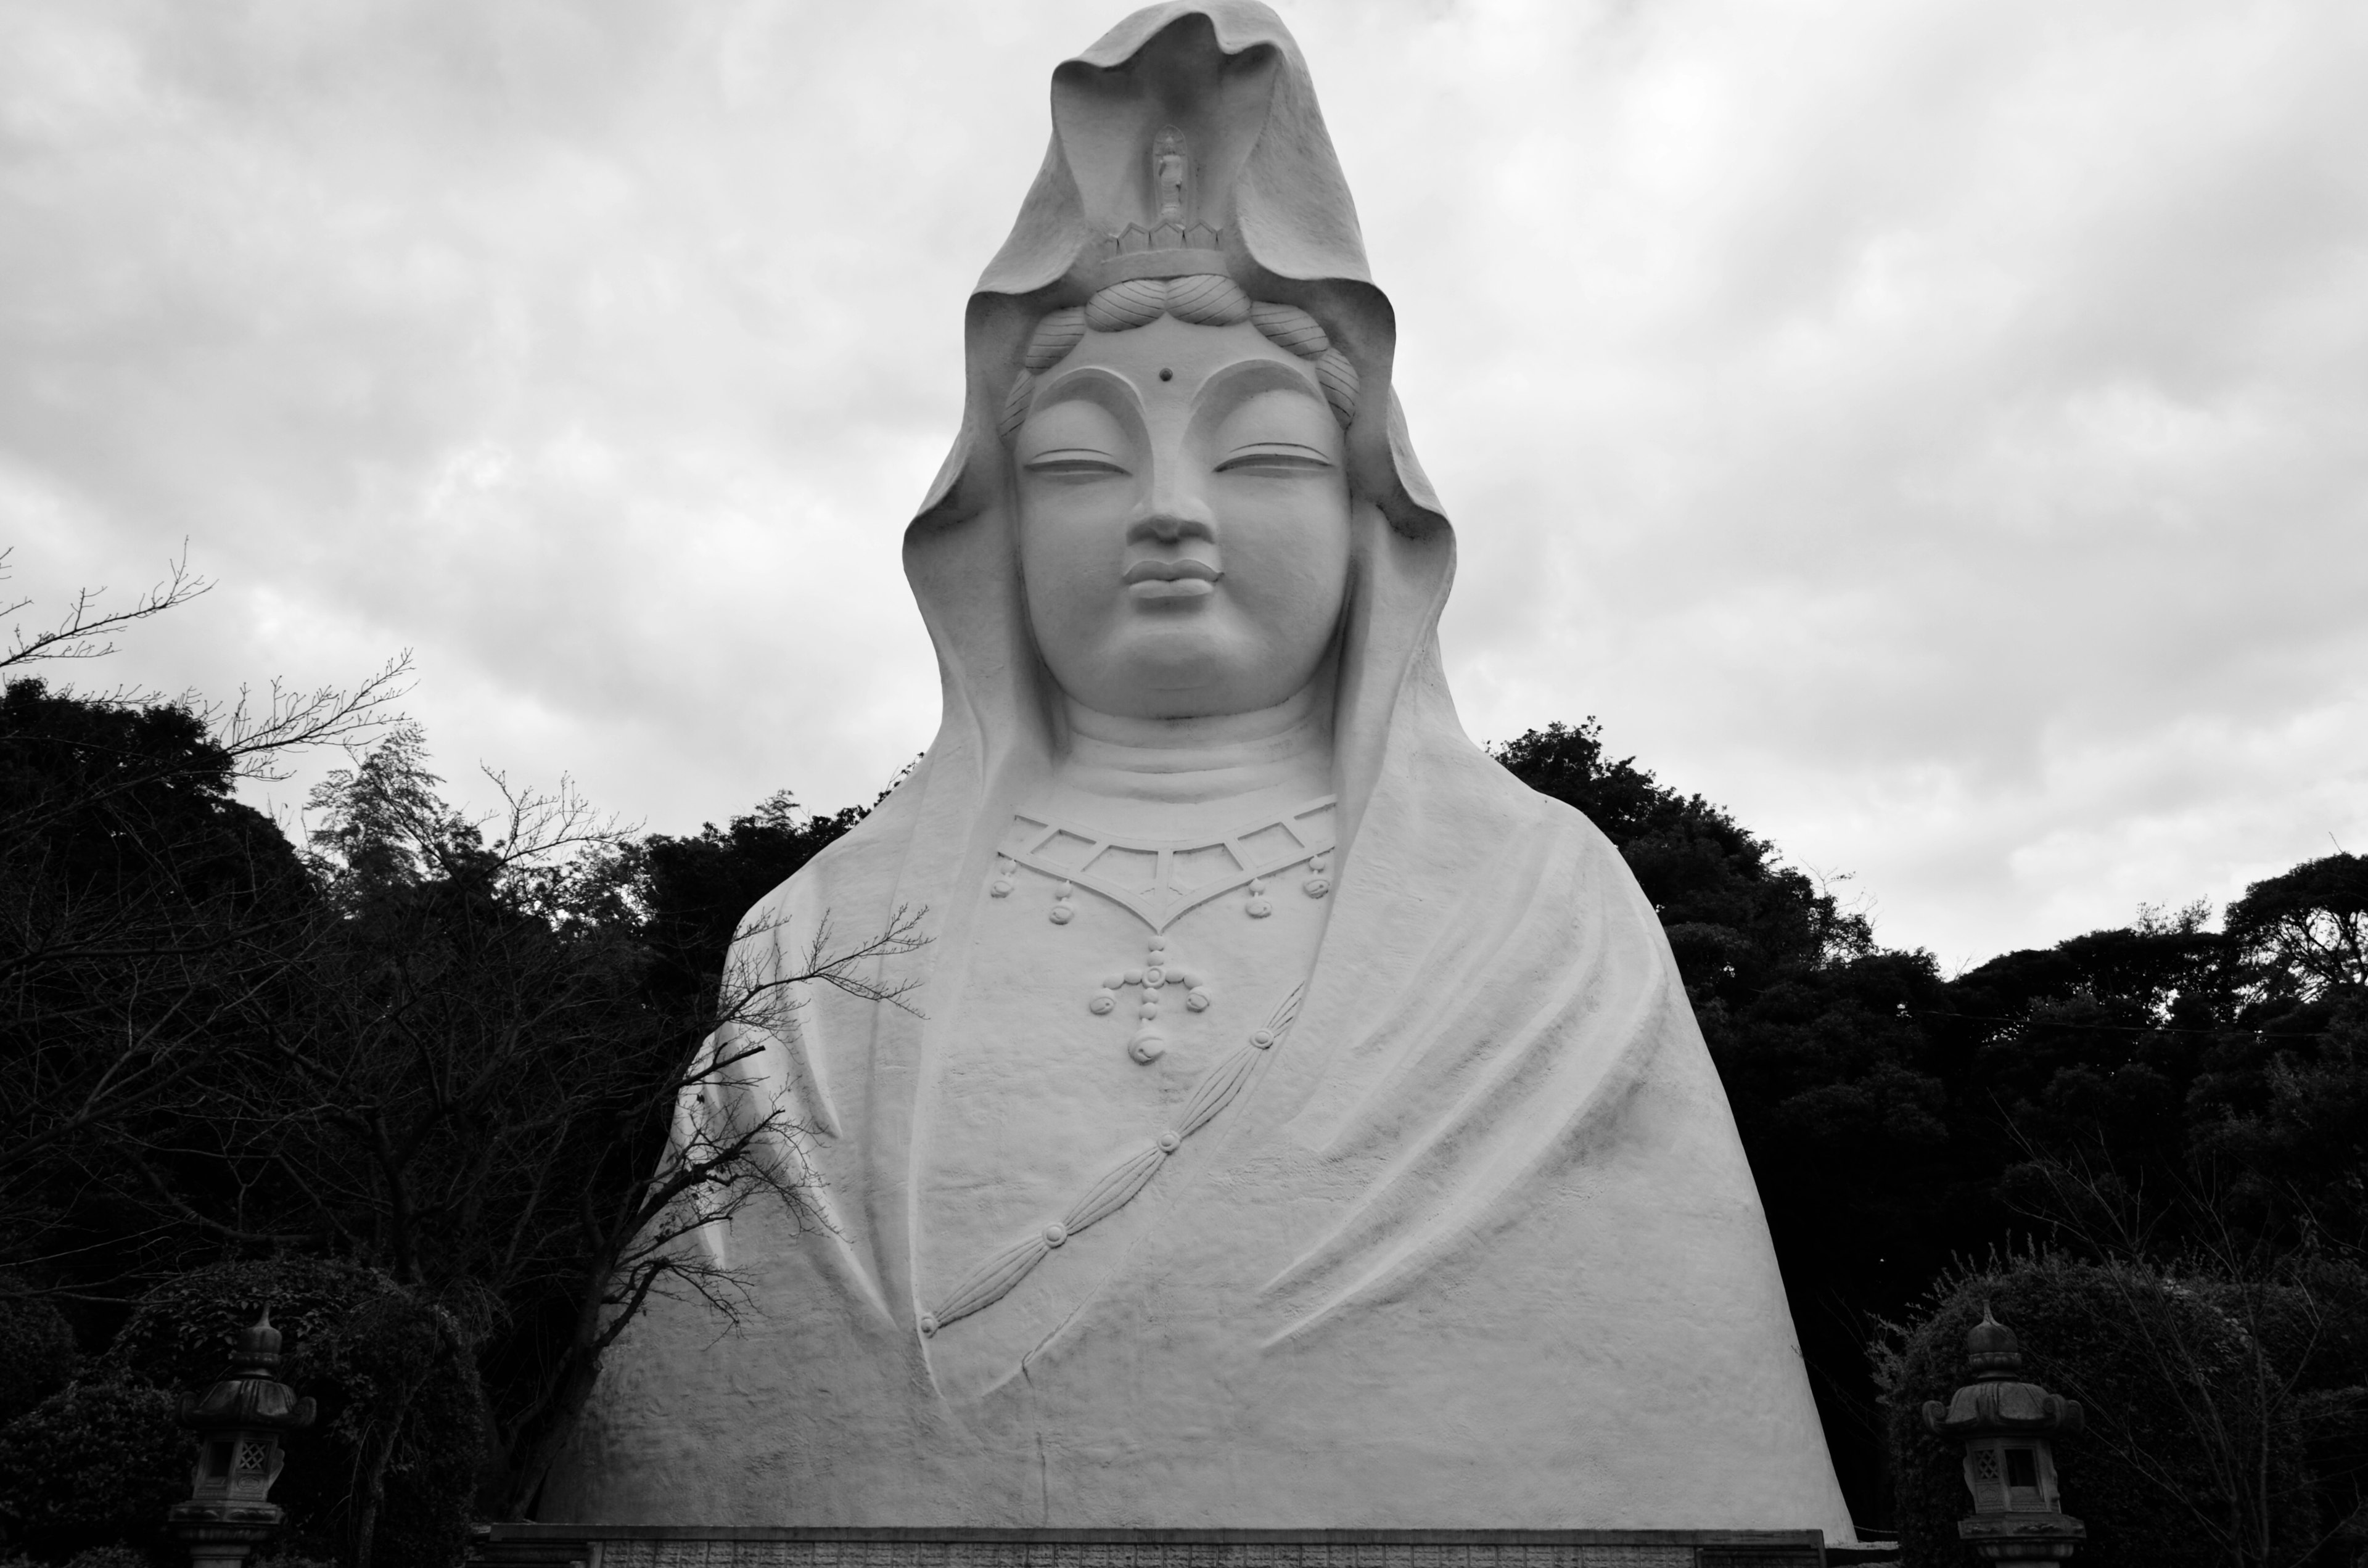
(147, 917)
(2158, 1096)
(2084, 1052)
(132, 805)
(696, 890)
(2307, 931)
(2280, 1103)
(2189, 1087)
(410, 1081)
(473, 1083)
(2168, 1102)
(435, 1056)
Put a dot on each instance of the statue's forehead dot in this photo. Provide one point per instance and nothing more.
(1166, 374)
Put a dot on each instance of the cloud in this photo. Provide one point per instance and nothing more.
(1935, 431)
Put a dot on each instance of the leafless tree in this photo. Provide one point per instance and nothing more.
(137, 917)
(463, 1081)
(422, 1040)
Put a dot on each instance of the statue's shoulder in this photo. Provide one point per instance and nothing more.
(853, 872)
(1490, 812)
(1563, 819)
(1496, 800)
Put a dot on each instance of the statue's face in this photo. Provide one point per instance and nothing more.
(1183, 521)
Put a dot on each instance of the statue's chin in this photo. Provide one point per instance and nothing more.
(1189, 653)
(1193, 681)
(1183, 705)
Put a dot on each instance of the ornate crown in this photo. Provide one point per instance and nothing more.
(1174, 245)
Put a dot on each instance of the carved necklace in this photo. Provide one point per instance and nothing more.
(1160, 880)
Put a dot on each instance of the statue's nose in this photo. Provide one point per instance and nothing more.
(1174, 508)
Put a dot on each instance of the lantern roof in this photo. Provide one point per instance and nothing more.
(1998, 1402)
(250, 1396)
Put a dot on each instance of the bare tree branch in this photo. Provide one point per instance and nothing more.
(84, 630)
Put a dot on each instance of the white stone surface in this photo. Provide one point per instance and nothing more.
(1307, 1126)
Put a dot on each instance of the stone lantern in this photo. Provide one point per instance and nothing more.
(238, 1422)
(2010, 1458)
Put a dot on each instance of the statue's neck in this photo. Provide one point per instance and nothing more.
(1159, 778)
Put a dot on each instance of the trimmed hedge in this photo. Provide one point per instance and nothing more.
(391, 1374)
(37, 1352)
(92, 1466)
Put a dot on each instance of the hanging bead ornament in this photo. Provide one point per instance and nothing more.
(1006, 868)
(1061, 911)
(1319, 875)
(1155, 977)
(1148, 1044)
(1219, 1086)
(1259, 908)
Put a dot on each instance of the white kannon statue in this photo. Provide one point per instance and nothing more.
(1301, 1122)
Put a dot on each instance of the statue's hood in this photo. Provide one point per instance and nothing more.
(1231, 77)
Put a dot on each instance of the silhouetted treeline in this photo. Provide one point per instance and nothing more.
(2161, 1095)
(412, 1082)
(410, 1079)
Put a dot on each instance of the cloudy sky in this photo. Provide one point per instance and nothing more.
(1939, 431)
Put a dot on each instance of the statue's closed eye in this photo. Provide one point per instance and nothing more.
(1074, 464)
(1276, 461)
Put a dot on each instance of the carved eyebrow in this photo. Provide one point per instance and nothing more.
(1247, 379)
(1091, 383)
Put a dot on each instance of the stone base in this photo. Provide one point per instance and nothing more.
(692, 1546)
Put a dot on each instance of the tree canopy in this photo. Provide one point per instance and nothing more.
(2162, 1090)
(437, 1056)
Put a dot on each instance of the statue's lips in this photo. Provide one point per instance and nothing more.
(1184, 579)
